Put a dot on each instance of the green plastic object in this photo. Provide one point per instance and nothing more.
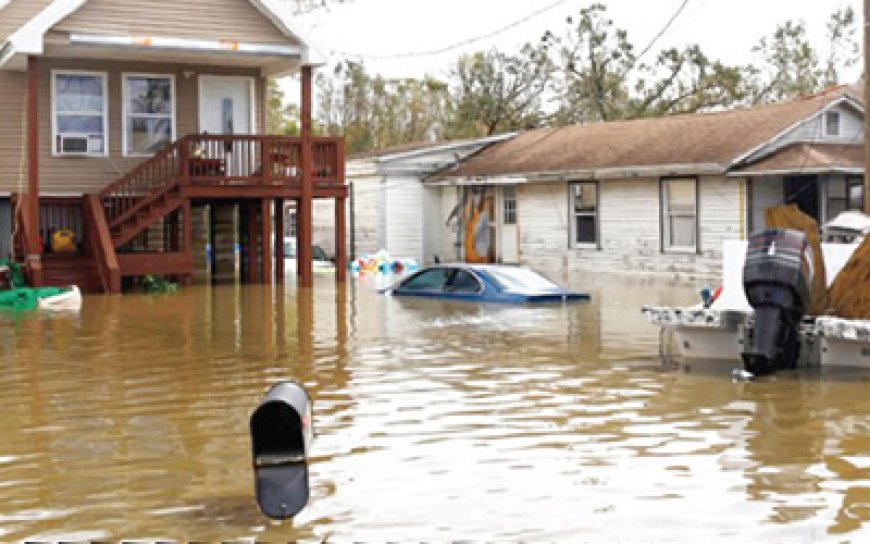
(21, 297)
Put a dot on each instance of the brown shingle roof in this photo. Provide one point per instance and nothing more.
(702, 138)
(809, 157)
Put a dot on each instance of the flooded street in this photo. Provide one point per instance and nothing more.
(434, 421)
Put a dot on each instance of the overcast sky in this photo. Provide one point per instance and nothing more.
(372, 30)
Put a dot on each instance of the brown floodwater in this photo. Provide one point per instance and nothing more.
(434, 421)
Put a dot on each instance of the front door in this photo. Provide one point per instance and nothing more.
(226, 106)
(508, 225)
(479, 224)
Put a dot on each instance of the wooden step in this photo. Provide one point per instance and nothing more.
(60, 270)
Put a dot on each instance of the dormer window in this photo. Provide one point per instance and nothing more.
(832, 123)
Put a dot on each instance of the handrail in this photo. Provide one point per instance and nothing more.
(99, 242)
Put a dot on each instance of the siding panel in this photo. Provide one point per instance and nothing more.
(404, 217)
(206, 19)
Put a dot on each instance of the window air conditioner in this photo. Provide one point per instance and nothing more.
(80, 144)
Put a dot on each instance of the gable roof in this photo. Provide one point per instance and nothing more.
(23, 24)
(689, 143)
(808, 158)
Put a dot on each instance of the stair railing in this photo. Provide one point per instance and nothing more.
(98, 242)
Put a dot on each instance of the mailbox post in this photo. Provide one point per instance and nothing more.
(281, 436)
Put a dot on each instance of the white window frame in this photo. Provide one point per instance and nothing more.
(827, 125)
(666, 214)
(54, 134)
(596, 244)
(124, 113)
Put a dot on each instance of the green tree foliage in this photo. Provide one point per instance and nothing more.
(372, 112)
(789, 66)
(594, 64)
(493, 92)
(280, 118)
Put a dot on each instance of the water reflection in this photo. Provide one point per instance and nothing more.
(434, 420)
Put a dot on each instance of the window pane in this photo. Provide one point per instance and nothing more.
(78, 93)
(81, 124)
(463, 282)
(584, 229)
(428, 280)
(585, 198)
(149, 95)
(682, 231)
(837, 188)
(148, 135)
(856, 195)
(832, 123)
(509, 193)
(681, 195)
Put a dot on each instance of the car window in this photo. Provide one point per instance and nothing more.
(520, 279)
(427, 280)
(463, 282)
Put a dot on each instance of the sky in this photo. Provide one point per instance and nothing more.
(391, 36)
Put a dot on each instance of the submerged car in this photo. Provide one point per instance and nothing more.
(483, 283)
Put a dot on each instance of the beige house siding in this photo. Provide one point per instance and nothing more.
(207, 19)
(12, 86)
(18, 12)
(76, 175)
(629, 228)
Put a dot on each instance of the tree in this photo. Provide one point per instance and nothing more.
(494, 92)
(594, 62)
(686, 81)
(280, 119)
(844, 51)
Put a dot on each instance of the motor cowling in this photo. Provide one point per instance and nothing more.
(776, 278)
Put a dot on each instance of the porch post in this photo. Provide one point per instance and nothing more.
(266, 240)
(33, 253)
(187, 236)
(252, 250)
(304, 211)
(279, 240)
(340, 239)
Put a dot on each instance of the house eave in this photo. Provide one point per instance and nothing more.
(621, 172)
(850, 170)
(28, 39)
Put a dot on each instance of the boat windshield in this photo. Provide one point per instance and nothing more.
(520, 279)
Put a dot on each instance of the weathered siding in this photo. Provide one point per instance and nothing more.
(767, 192)
(18, 12)
(404, 217)
(207, 19)
(433, 219)
(13, 174)
(629, 228)
(77, 175)
(323, 224)
(366, 213)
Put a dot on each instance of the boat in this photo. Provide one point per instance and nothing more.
(15, 295)
(746, 320)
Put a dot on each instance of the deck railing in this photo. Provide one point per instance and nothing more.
(221, 160)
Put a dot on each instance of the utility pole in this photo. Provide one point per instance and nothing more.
(866, 81)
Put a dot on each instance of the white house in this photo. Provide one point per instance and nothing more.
(654, 195)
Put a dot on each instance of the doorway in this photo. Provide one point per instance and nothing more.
(803, 191)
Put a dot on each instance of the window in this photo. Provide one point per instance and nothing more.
(463, 282)
(149, 113)
(584, 206)
(855, 188)
(679, 214)
(509, 199)
(79, 113)
(832, 123)
(432, 279)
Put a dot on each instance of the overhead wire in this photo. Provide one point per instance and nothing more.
(663, 30)
(456, 45)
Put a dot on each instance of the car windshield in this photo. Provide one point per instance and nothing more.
(521, 279)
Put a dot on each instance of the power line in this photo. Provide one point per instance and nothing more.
(663, 30)
(431, 52)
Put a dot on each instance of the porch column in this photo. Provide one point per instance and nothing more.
(33, 255)
(304, 210)
(266, 240)
(340, 239)
(279, 240)
(251, 251)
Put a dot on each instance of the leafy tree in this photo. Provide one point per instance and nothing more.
(844, 51)
(594, 63)
(494, 92)
(280, 118)
(685, 81)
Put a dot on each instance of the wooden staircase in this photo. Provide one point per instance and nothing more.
(81, 270)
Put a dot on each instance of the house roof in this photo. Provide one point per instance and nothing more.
(414, 147)
(23, 24)
(709, 142)
(808, 158)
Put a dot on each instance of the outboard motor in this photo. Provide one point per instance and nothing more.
(776, 278)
